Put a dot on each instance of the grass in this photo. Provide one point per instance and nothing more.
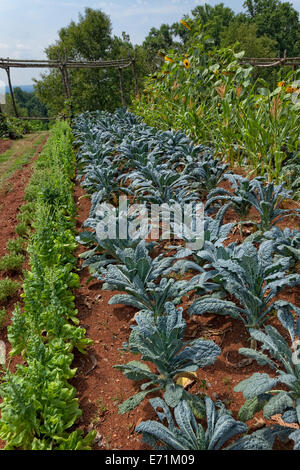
(19, 154)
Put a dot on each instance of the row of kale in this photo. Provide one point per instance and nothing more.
(165, 167)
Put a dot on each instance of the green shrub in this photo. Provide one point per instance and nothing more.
(8, 288)
(11, 262)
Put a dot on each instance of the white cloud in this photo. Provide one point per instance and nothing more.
(23, 47)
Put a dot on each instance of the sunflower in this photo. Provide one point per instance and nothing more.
(185, 24)
(186, 64)
(290, 89)
(168, 59)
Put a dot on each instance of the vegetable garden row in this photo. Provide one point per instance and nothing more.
(118, 154)
(39, 405)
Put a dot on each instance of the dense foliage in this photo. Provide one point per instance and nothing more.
(204, 91)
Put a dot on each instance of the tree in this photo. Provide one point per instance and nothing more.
(161, 39)
(279, 21)
(88, 39)
(216, 19)
(245, 35)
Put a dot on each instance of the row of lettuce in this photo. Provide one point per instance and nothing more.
(120, 155)
(207, 93)
(39, 405)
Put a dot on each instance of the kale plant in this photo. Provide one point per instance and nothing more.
(260, 390)
(160, 341)
(253, 277)
(191, 435)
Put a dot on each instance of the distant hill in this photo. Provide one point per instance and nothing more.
(28, 88)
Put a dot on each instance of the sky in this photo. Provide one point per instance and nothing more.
(27, 27)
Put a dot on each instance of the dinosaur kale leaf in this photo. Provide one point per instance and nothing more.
(252, 277)
(263, 389)
(160, 341)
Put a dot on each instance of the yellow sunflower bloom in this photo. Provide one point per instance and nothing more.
(186, 64)
(185, 24)
(168, 59)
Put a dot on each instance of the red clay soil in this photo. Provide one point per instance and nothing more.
(11, 199)
(101, 388)
(5, 144)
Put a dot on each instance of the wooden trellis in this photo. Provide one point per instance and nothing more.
(293, 62)
(63, 66)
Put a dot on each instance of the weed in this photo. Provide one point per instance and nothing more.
(101, 407)
(227, 381)
(118, 398)
(202, 385)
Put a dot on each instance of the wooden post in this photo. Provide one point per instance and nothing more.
(11, 92)
(66, 82)
(121, 87)
(135, 74)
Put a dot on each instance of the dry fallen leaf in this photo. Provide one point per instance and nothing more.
(280, 421)
(186, 379)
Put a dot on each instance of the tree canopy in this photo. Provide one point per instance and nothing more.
(88, 39)
(264, 28)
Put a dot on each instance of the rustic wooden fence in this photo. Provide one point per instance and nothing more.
(63, 66)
